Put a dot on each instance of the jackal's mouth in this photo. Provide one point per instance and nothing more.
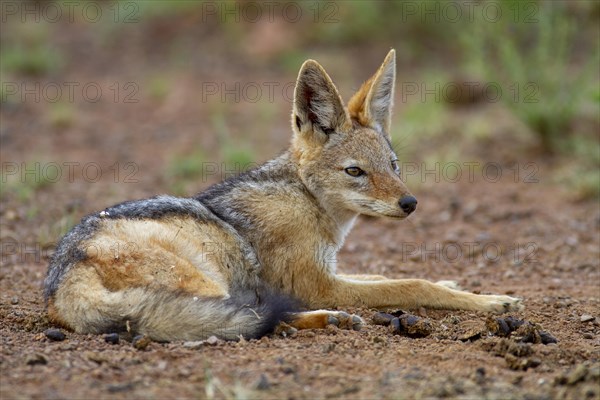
(375, 210)
(403, 216)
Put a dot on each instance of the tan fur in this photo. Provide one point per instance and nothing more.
(283, 233)
(360, 277)
(183, 256)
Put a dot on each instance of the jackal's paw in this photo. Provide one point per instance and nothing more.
(285, 330)
(344, 320)
(449, 284)
(502, 304)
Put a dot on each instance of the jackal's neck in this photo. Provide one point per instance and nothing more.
(344, 227)
(340, 221)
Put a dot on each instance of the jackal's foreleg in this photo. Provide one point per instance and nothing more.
(409, 294)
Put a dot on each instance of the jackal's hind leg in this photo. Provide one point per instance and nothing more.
(320, 319)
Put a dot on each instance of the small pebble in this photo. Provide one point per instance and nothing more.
(120, 387)
(10, 215)
(527, 333)
(36, 359)
(506, 346)
(14, 300)
(328, 348)
(379, 339)
(381, 318)
(548, 338)
(412, 326)
(588, 335)
(289, 369)
(55, 335)
(140, 342)
(572, 241)
(587, 318)
(98, 358)
(112, 338)
(471, 331)
(514, 323)
(576, 375)
(263, 383)
(213, 340)
(198, 344)
(521, 364)
(498, 326)
(480, 376)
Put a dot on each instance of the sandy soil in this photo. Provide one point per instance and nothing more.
(557, 277)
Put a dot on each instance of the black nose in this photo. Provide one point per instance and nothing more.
(408, 204)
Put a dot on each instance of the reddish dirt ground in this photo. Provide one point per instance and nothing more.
(530, 240)
(557, 279)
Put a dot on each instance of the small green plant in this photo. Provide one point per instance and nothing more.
(237, 158)
(586, 184)
(531, 59)
(291, 59)
(31, 177)
(149, 9)
(27, 51)
(49, 234)
(581, 173)
(158, 88)
(34, 60)
(188, 166)
(419, 120)
(61, 115)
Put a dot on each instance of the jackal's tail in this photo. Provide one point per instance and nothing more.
(170, 316)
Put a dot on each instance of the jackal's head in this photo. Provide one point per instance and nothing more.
(344, 153)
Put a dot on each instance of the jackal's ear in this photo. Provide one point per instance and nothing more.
(318, 107)
(372, 105)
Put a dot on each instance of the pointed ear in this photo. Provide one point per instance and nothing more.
(372, 104)
(318, 109)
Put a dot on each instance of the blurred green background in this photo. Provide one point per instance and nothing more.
(188, 88)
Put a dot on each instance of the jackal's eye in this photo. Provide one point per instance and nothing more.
(354, 171)
(395, 166)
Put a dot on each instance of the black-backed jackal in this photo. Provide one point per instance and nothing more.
(244, 255)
